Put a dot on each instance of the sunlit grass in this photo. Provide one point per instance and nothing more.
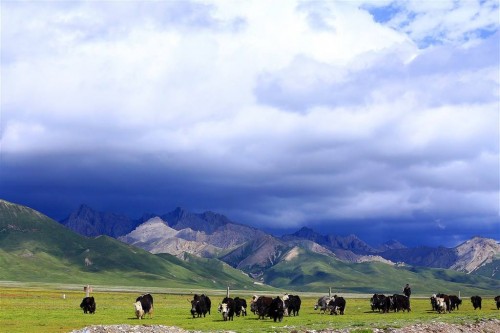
(36, 310)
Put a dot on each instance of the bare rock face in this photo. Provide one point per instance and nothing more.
(474, 253)
(151, 230)
(156, 236)
(258, 254)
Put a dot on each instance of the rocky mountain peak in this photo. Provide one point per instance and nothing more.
(151, 230)
(180, 213)
(350, 242)
(305, 232)
(84, 211)
(391, 245)
(474, 253)
(91, 223)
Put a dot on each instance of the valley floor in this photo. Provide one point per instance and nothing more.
(57, 310)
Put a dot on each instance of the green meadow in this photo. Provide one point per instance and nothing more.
(42, 308)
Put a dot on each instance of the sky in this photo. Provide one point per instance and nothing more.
(375, 118)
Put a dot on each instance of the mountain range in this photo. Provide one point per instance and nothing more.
(35, 248)
(213, 235)
(181, 249)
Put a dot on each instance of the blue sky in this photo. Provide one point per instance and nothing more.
(378, 118)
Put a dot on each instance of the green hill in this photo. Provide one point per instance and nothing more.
(315, 272)
(491, 269)
(35, 248)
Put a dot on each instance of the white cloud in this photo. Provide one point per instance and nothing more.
(429, 22)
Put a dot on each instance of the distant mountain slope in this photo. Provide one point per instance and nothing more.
(310, 271)
(37, 248)
(210, 235)
(332, 242)
(490, 269)
(475, 252)
(391, 245)
(215, 229)
(208, 227)
(88, 222)
(425, 256)
(156, 236)
(257, 255)
(466, 257)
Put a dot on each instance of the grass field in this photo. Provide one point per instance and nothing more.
(36, 309)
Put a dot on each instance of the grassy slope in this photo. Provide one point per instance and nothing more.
(36, 248)
(491, 269)
(315, 272)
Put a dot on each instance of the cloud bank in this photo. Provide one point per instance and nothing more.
(376, 117)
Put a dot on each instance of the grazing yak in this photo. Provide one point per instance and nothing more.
(146, 301)
(200, 305)
(433, 302)
(253, 303)
(292, 304)
(322, 303)
(497, 301)
(377, 302)
(455, 302)
(260, 306)
(227, 308)
(401, 302)
(446, 300)
(389, 304)
(208, 302)
(240, 307)
(337, 305)
(476, 302)
(276, 309)
(439, 304)
(139, 312)
(88, 305)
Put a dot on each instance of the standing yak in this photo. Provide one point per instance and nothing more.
(260, 305)
(377, 302)
(292, 304)
(146, 304)
(200, 305)
(240, 307)
(277, 309)
(476, 302)
(337, 305)
(88, 305)
(322, 303)
(227, 308)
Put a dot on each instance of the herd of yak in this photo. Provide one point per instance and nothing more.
(439, 302)
(278, 307)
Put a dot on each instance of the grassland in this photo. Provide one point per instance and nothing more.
(42, 308)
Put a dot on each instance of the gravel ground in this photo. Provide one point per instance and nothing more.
(131, 329)
(483, 326)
